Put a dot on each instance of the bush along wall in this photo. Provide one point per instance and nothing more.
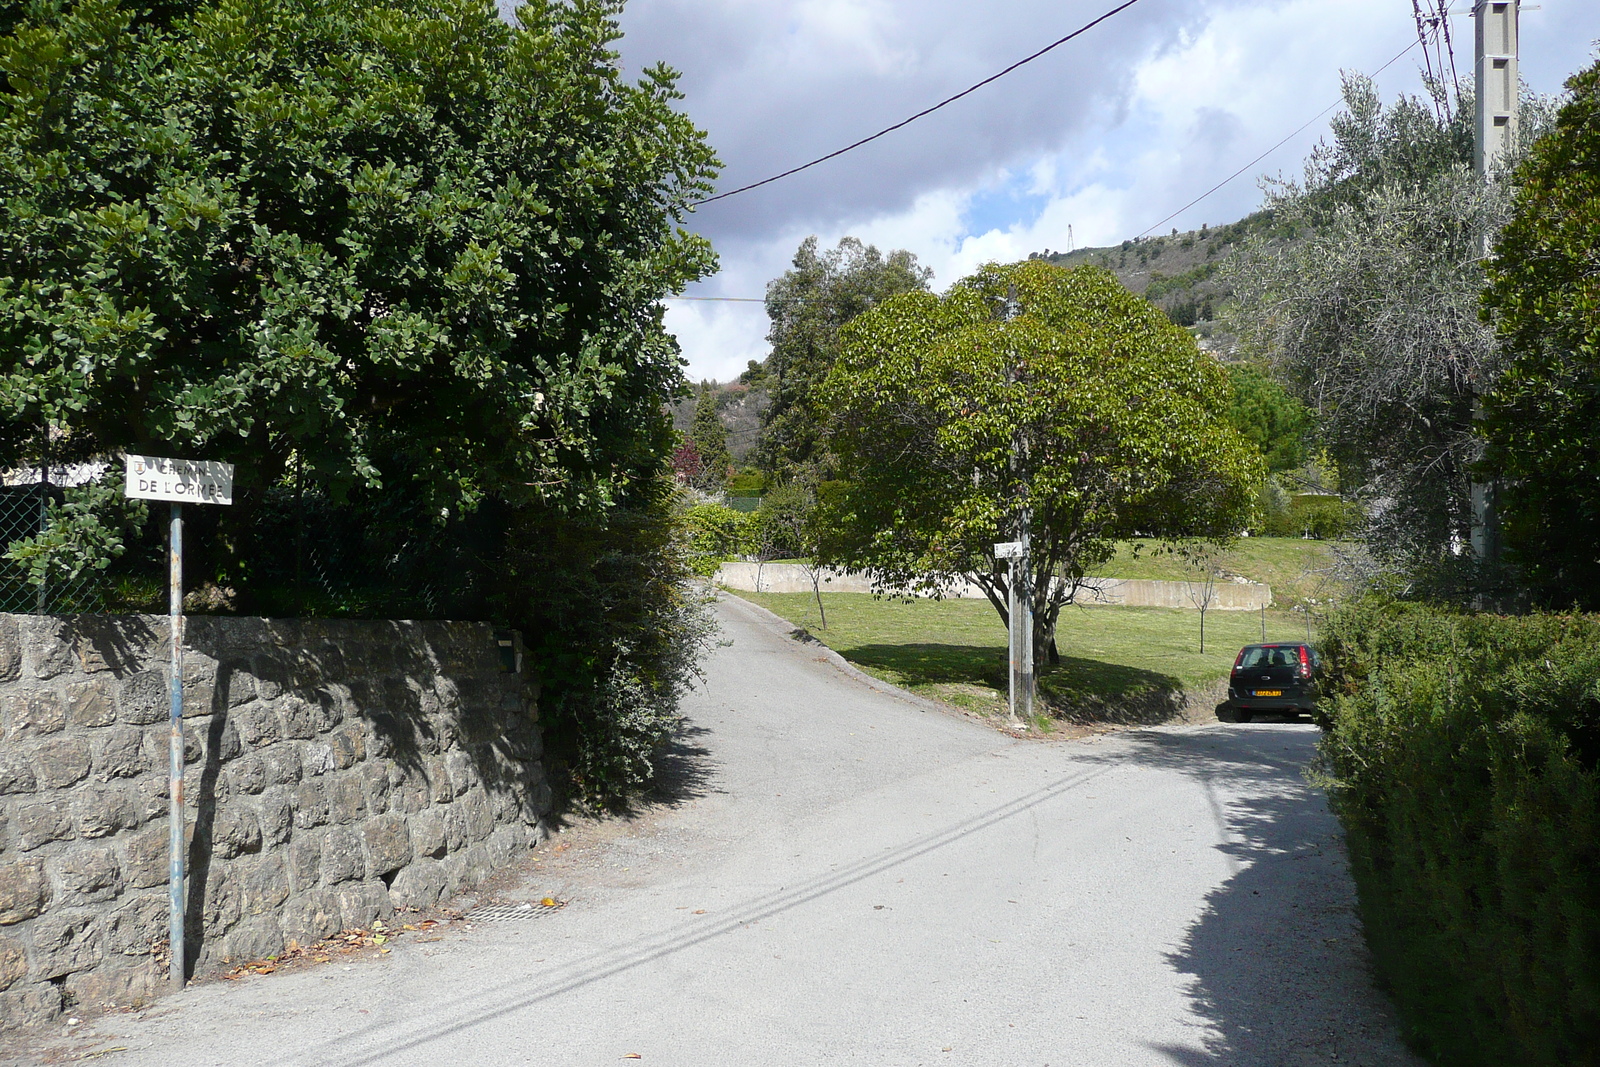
(1465, 752)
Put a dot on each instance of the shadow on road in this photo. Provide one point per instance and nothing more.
(1276, 962)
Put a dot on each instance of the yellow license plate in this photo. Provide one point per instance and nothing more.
(1269, 692)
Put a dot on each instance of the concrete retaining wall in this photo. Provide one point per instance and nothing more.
(1117, 592)
(336, 771)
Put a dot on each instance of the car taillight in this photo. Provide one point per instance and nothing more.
(1237, 660)
(1305, 662)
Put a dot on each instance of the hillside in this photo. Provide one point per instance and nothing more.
(1177, 272)
(739, 406)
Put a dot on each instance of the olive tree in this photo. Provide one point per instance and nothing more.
(1075, 401)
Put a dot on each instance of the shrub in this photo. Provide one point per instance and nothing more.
(1464, 753)
(716, 533)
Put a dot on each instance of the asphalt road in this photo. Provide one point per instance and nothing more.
(841, 876)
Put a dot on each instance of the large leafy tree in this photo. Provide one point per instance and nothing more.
(408, 254)
(1088, 407)
(405, 242)
(808, 305)
(1545, 292)
(1364, 296)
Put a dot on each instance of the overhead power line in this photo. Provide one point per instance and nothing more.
(1080, 31)
(1274, 148)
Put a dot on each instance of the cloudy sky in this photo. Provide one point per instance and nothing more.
(1108, 134)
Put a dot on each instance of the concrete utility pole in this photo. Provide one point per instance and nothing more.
(1497, 83)
(1018, 551)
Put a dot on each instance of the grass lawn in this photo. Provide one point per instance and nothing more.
(1295, 568)
(1117, 664)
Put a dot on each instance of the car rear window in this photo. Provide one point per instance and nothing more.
(1271, 656)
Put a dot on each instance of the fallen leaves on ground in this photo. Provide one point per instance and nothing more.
(344, 943)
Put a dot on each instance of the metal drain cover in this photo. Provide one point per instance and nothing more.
(500, 913)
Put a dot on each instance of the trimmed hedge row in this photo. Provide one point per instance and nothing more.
(1464, 752)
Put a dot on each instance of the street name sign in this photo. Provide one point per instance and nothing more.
(182, 481)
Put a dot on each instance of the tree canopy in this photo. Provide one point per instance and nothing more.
(1545, 294)
(808, 305)
(406, 241)
(1089, 407)
(710, 440)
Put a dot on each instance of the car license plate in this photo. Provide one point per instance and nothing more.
(1269, 692)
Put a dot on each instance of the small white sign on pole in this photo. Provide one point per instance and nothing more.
(1008, 550)
(182, 481)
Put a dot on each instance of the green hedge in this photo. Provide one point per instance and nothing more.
(717, 533)
(1464, 752)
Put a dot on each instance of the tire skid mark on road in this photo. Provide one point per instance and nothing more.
(383, 1042)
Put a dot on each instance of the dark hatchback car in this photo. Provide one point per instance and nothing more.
(1271, 679)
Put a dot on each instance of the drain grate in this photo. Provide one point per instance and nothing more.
(500, 913)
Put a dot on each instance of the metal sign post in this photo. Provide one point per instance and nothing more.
(1020, 612)
(177, 481)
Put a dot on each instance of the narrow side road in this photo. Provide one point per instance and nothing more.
(840, 876)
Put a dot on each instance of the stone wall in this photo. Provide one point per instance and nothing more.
(1233, 595)
(335, 772)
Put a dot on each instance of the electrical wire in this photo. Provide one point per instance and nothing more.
(1080, 31)
(1273, 149)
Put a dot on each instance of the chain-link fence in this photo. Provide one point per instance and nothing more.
(28, 581)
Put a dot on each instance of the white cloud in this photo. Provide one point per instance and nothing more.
(1107, 135)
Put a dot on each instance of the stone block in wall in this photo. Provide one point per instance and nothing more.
(120, 982)
(467, 868)
(441, 791)
(120, 752)
(362, 902)
(10, 649)
(428, 836)
(418, 886)
(29, 1005)
(248, 774)
(219, 909)
(282, 763)
(15, 774)
(478, 814)
(142, 698)
(235, 831)
(199, 682)
(41, 822)
(86, 875)
(409, 789)
(388, 844)
(257, 723)
(32, 713)
(144, 858)
(235, 685)
(347, 799)
(316, 759)
(63, 942)
(103, 812)
(91, 703)
(139, 923)
(263, 884)
(13, 961)
(297, 718)
(311, 916)
(455, 829)
(59, 762)
(310, 804)
(47, 645)
(305, 861)
(507, 844)
(342, 858)
(275, 812)
(253, 939)
(376, 777)
(463, 775)
(23, 891)
(347, 745)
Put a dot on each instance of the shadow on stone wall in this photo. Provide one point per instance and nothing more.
(334, 772)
